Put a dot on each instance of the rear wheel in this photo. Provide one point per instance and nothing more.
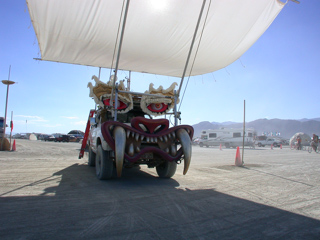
(104, 164)
(201, 144)
(166, 169)
(91, 158)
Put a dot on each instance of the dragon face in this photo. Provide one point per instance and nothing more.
(136, 139)
(148, 139)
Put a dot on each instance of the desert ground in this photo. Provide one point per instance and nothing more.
(46, 192)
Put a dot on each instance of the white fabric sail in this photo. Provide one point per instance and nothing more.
(157, 36)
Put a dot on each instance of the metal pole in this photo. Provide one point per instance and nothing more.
(5, 119)
(244, 126)
(119, 49)
(129, 81)
(175, 108)
(116, 104)
(191, 47)
(6, 82)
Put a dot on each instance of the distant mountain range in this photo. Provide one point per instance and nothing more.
(286, 128)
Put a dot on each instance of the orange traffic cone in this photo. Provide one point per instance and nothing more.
(14, 145)
(271, 146)
(238, 161)
(220, 147)
(280, 146)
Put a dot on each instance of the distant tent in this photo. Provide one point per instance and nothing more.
(305, 139)
(5, 146)
(33, 137)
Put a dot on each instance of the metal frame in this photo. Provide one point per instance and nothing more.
(115, 90)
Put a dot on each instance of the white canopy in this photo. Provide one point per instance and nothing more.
(157, 36)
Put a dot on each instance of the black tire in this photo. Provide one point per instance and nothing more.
(91, 158)
(104, 164)
(227, 145)
(201, 144)
(166, 169)
(259, 144)
(275, 145)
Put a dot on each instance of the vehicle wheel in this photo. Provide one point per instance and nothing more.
(259, 145)
(201, 144)
(91, 158)
(227, 145)
(166, 169)
(104, 164)
(275, 145)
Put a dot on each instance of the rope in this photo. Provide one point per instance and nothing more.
(195, 56)
(116, 43)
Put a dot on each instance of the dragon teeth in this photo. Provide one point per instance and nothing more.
(173, 150)
(137, 136)
(131, 150)
(173, 135)
(137, 149)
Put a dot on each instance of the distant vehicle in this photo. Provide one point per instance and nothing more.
(196, 141)
(229, 137)
(43, 136)
(268, 142)
(61, 137)
(77, 134)
(73, 138)
(49, 138)
(21, 136)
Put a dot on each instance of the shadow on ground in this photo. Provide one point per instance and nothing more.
(142, 206)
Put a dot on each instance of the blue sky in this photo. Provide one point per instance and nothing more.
(278, 77)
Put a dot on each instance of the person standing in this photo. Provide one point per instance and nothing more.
(299, 147)
(314, 142)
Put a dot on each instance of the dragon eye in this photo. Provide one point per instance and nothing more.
(157, 107)
(121, 105)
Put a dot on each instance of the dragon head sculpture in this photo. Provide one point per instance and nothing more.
(136, 139)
